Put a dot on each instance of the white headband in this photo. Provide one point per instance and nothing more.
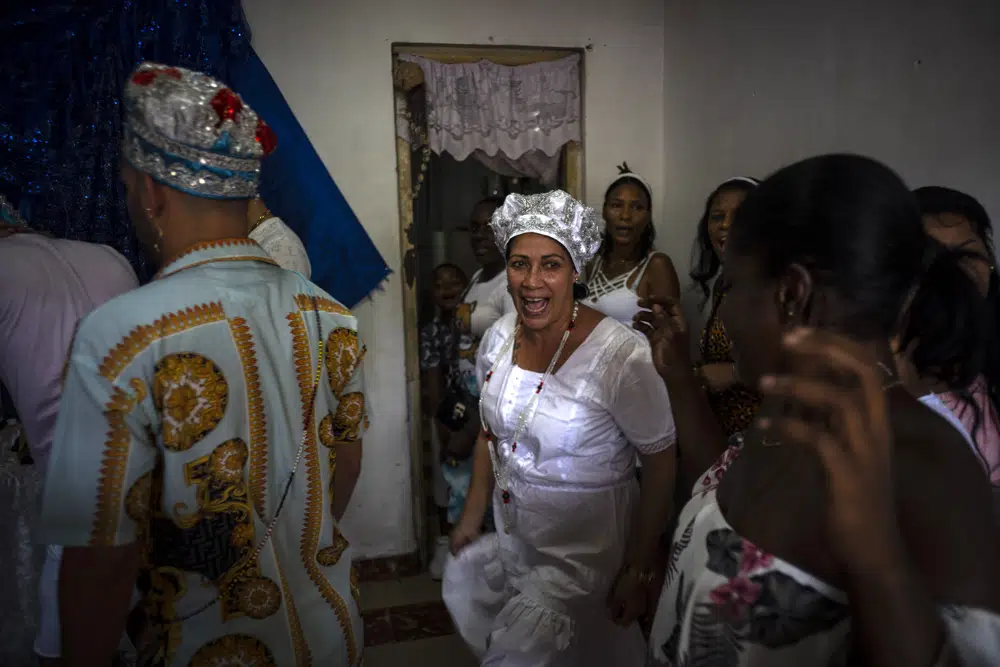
(627, 174)
(741, 179)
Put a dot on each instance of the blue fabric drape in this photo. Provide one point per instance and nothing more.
(62, 70)
(298, 188)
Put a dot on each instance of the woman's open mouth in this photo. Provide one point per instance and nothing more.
(534, 307)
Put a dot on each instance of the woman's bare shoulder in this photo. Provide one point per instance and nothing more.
(944, 505)
(660, 276)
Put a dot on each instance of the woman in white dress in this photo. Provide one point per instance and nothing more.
(847, 526)
(568, 397)
(628, 266)
(277, 239)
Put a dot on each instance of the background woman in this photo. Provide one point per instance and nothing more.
(848, 526)
(734, 404)
(277, 239)
(568, 397)
(959, 224)
(484, 301)
(629, 267)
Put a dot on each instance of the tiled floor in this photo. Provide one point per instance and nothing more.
(406, 624)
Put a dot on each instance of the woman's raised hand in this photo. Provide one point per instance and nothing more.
(663, 323)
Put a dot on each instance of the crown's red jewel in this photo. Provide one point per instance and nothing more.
(266, 138)
(173, 72)
(227, 105)
(144, 78)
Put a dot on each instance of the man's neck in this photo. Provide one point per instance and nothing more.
(171, 249)
(199, 227)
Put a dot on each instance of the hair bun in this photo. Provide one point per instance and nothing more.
(623, 169)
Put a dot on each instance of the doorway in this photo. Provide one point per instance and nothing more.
(440, 182)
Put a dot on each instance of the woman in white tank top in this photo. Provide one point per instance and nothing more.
(628, 267)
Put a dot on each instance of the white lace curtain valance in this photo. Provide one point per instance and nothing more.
(495, 109)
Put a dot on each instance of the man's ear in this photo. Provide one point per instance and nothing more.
(152, 195)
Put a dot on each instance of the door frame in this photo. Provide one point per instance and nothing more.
(406, 76)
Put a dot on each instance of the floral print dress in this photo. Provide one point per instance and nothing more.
(726, 603)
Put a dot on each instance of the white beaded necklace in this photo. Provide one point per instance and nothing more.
(501, 467)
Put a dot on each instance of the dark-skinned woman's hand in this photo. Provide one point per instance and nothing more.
(835, 403)
(664, 325)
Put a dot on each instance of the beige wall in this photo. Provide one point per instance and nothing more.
(332, 61)
(752, 86)
(688, 92)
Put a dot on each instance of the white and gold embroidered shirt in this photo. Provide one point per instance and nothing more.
(183, 409)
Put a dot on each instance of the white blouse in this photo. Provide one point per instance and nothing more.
(282, 245)
(604, 402)
(613, 296)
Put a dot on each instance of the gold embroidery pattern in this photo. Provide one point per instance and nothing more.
(326, 430)
(114, 462)
(342, 357)
(328, 556)
(258, 597)
(305, 302)
(145, 335)
(216, 260)
(222, 500)
(303, 656)
(235, 242)
(191, 394)
(138, 500)
(255, 409)
(355, 588)
(166, 587)
(233, 651)
(314, 506)
(350, 417)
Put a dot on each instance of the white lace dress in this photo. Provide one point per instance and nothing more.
(537, 595)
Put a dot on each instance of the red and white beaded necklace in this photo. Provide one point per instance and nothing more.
(501, 467)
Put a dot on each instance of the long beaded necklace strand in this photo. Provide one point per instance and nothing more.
(501, 467)
(269, 531)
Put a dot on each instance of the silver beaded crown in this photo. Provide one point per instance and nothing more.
(556, 215)
(192, 133)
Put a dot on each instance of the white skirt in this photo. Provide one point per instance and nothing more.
(537, 596)
(21, 558)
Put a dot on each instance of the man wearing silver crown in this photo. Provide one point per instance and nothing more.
(210, 433)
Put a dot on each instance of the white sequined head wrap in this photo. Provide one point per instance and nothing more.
(554, 214)
(189, 131)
